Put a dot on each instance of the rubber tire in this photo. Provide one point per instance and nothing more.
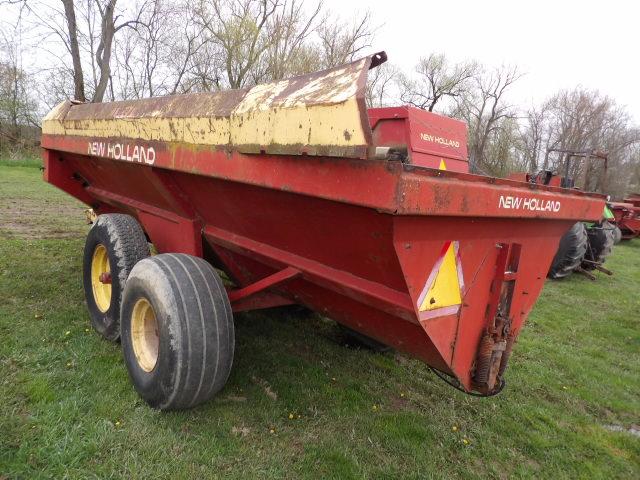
(195, 326)
(571, 250)
(617, 235)
(600, 246)
(126, 245)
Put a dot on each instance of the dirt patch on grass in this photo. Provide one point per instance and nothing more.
(400, 403)
(35, 219)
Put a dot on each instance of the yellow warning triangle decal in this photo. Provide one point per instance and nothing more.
(443, 166)
(444, 290)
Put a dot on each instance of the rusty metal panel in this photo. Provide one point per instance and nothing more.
(322, 113)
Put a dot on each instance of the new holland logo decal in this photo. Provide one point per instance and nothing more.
(443, 290)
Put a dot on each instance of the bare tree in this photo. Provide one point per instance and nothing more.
(207, 72)
(74, 49)
(154, 58)
(342, 42)
(435, 80)
(380, 81)
(631, 174)
(182, 54)
(103, 53)
(238, 27)
(18, 108)
(76, 38)
(485, 109)
(583, 120)
(262, 40)
(288, 51)
(533, 136)
(502, 151)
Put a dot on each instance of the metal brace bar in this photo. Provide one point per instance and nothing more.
(257, 287)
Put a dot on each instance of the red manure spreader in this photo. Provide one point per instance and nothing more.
(586, 245)
(294, 193)
(627, 216)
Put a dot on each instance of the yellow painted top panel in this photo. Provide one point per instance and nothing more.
(322, 113)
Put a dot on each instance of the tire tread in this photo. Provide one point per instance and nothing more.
(205, 351)
(125, 241)
(571, 251)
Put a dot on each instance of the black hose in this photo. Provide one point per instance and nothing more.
(453, 382)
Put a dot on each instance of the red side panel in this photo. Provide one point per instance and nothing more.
(432, 140)
(363, 240)
(456, 333)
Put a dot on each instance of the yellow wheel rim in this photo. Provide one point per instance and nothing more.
(144, 335)
(99, 269)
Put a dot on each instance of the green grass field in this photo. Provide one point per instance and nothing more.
(300, 404)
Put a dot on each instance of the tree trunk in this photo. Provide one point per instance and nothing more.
(103, 53)
(14, 103)
(78, 78)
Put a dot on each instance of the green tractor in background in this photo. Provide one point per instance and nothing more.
(585, 246)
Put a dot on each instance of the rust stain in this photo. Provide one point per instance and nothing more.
(441, 198)
(464, 206)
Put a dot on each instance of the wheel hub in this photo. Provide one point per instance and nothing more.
(144, 335)
(101, 278)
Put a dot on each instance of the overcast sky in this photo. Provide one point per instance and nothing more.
(558, 44)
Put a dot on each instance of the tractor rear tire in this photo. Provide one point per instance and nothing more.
(601, 240)
(115, 243)
(177, 331)
(617, 235)
(571, 250)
